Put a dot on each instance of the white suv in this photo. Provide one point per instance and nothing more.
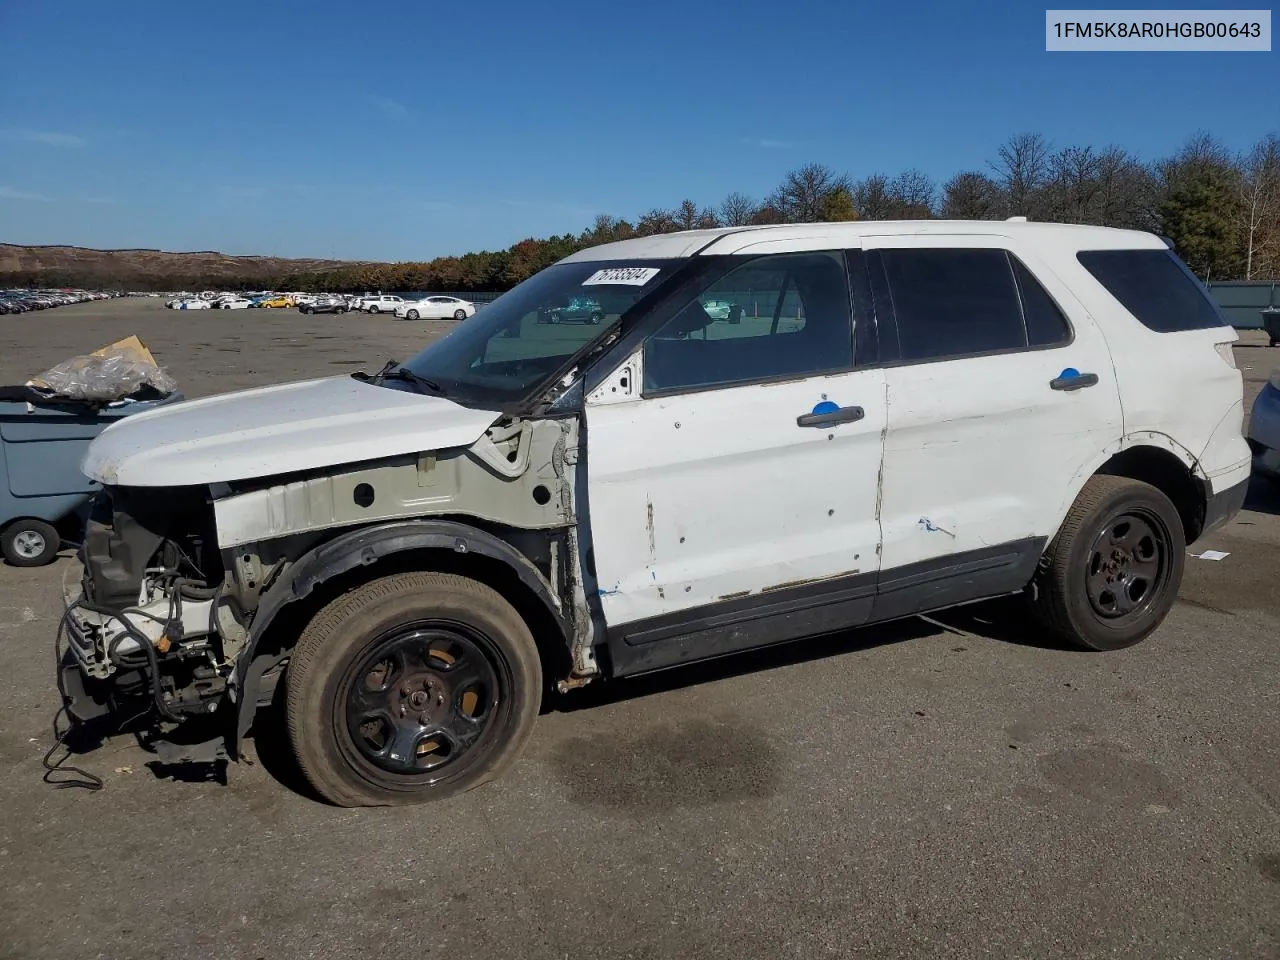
(381, 303)
(904, 417)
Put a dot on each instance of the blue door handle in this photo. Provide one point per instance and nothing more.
(1072, 379)
(829, 417)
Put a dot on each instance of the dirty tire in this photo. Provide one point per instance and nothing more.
(1074, 601)
(328, 668)
(30, 543)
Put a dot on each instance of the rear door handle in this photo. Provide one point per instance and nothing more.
(830, 417)
(1073, 380)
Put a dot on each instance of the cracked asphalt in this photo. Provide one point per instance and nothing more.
(917, 790)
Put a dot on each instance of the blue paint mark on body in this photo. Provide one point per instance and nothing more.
(826, 406)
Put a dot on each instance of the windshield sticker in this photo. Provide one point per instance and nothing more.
(625, 276)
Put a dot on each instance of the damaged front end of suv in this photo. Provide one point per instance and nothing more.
(182, 585)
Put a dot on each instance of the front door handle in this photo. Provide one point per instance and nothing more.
(1073, 380)
(830, 417)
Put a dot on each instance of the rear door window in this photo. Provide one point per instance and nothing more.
(1156, 287)
(963, 302)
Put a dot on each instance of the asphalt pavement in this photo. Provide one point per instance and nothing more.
(914, 790)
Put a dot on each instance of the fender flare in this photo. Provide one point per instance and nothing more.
(363, 547)
(1141, 438)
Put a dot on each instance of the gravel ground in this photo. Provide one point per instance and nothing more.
(906, 791)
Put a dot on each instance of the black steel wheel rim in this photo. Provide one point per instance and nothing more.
(1128, 566)
(424, 702)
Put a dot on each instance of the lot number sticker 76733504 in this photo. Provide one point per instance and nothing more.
(626, 276)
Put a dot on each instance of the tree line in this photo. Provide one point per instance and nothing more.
(1220, 209)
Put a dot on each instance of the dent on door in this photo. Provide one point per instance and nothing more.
(707, 498)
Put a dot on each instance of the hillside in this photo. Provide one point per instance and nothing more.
(22, 265)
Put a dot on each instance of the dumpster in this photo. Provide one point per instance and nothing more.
(43, 494)
(1271, 324)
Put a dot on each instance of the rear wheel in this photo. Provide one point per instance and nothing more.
(30, 543)
(373, 309)
(1111, 575)
(411, 688)
(595, 318)
(459, 314)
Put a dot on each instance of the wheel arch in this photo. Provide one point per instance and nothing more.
(358, 556)
(1154, 458)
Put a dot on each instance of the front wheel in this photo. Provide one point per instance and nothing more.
(30, 543)
(595, 318)
(1111, 575)
(411, 315)
(411, 688)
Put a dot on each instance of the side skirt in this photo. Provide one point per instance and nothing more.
(826, 606)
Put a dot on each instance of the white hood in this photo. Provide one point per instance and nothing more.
(292, 426)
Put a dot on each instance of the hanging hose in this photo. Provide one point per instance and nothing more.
(88, 781)
(144, 642)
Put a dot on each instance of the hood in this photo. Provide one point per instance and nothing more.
(278, 429)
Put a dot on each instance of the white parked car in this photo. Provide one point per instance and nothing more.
(381, 303)
(436, 308)
(193, 303)
(236, 303)
(908, 416)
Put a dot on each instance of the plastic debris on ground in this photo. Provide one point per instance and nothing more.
(123, 372)
(1211, 555)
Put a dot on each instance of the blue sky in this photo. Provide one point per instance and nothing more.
(408, 130)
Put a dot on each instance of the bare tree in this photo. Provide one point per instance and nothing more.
(688, 216)
(737, 210)
(1259, 210)
(912, 195)
(871, 198)
(1127, 192)
(802, 196)
(1021, 169)
(767, 213)
(1071, 186)
(656, 220)
(606, 229)
(971, 195)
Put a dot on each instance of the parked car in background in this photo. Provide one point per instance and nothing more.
(382, 303)
(324, 305)
(275, 303)
(195, 303)
(235, 303)
(436, 308)
(576, 310)
(1264, 429)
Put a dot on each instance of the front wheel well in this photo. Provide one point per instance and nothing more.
(1164, 471)
(547, 632)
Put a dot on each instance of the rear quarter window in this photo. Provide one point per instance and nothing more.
(1155, 287)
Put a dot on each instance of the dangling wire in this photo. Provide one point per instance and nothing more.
(87, 780)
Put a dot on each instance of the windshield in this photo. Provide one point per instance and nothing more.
(529, 333)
